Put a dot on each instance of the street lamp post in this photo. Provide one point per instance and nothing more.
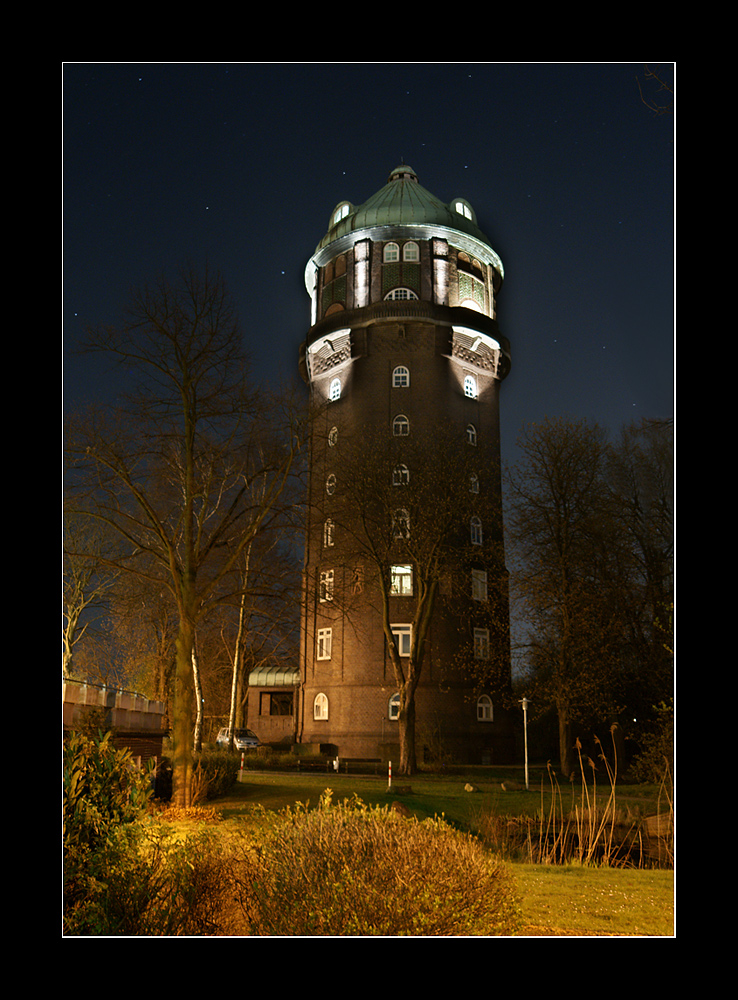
(524, 703)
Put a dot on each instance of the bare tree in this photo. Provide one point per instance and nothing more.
(171, 468)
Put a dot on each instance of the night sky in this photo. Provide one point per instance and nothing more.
(240, 165)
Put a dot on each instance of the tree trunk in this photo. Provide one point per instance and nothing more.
(182, 729)
(565, 740)
(198, 700)
(406, 727)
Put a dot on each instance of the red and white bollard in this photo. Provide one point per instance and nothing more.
(389, 783)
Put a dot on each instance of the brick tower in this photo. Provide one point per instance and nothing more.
(403, 341)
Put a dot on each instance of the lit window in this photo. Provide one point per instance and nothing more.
(330, 485)
(481, 644)
(333, 437)
(328, 533)
(402, 581)
(463, 209)
(401, 377)
(400, 524)
(326, 585)
(402, 634)
(479, 585)
(471, 434)
(484, 708)
(470, 387)
(393, 708)
(341, 212)
(400, 475)
(399, 294)
(334, 392)
(325, 641)
(320, 707)
(401, 426)
(476, 531)
(391, 253)
(410, 251)
(474, 483)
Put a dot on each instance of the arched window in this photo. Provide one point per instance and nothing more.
(390, 253)
(399, 294)
(393, 708)
(484, 708)
(333, 437)
(400, 475)
(401, 377)
(334, 392)
(330, 485)
(410, 251)
(474, 483)
(470, 387)
(471, 434)
(320, 707)
(400, 425)
(476, 531)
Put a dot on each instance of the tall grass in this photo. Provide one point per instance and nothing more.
(587, 826)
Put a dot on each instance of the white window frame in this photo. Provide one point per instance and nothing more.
(400, 475)
(479, 585)
(401, 580)
(403, 635)
(485, 708)
(329, 529)
(391, 253)
(470, 386)
(326, 585)
(324, 645)
(471, 434)
(333, 437)
(334, 391)
(393, 707)
(401, 426)
(475, 527)
(481, 643)
(320, 707)
(330, 485)
(411, 251)
(401, 295)
(474, 483)
(401, 377)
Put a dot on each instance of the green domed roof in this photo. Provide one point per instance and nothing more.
(402, 201)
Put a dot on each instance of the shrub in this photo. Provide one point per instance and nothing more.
(350, 869)
(215, 774)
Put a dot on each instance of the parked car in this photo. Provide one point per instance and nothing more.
(243, 739)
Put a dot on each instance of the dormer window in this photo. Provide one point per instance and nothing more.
(340, 212)
(463, 209)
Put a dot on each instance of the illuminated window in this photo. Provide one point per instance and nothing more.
(334, 392)
(410, 251)
(402, 581)
(399, 294)
(476, 531)
(481, 644)
(391, 253)
(401, 426)
(470, 387)
(484, 708)
(463, 209)
(402, 634)
(479, 585)
(393, 708)
(320, 707)
(328, 533)
(326, 585)
(330, 485)
(471, 434)
(401, 377)
(400, 524)
(400, 475)
(340, 213)
(325, 642)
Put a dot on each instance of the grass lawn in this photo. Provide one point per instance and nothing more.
(566, 900)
